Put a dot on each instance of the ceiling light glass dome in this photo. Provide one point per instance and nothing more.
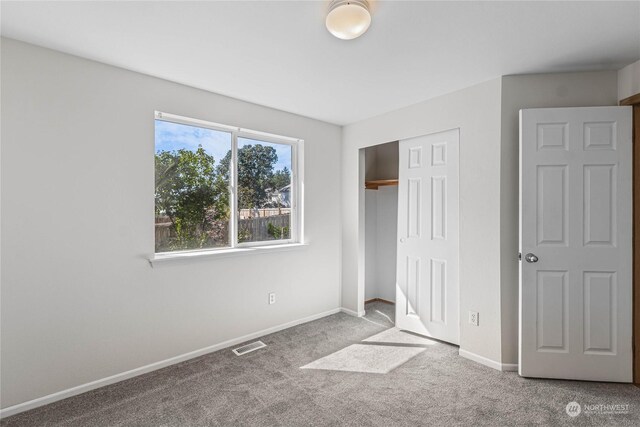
(348, 19)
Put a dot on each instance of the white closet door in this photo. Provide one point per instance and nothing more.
(427, 258)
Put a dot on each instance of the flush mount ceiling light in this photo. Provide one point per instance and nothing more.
(348, 19)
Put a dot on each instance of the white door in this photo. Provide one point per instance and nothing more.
(575, 240)
(427, 264)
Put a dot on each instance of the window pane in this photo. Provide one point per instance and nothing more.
(264, 191)
(192, 187)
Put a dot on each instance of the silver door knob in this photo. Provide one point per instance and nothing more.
(531, 257)
(402, 240)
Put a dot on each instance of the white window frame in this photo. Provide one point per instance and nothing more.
(296, 226)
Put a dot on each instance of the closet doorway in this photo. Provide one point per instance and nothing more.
(381, 223)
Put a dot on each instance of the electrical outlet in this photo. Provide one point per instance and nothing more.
(474, 318)
(272, 298)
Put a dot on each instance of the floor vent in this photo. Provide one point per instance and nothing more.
(249, 348)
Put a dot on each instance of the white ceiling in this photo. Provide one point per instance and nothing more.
(279, 54)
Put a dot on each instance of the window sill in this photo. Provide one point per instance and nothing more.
(223, 253)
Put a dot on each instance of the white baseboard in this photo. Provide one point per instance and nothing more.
(509, 367)
(504, 367)
(352, 313)
(54, 397)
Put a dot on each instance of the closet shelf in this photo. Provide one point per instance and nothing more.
(373, 185)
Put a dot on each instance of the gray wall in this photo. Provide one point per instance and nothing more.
(80, 302)
(533, 91)
(386, 242)
(629, 80)
(381, 240)
(476, 111)
(382, 161)
(371, 243)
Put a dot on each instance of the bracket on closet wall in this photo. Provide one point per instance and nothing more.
(373, 185)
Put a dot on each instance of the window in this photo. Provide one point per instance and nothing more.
(220, 187)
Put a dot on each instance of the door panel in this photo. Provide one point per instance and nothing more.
(599, 312)
(414, 207)
(438, 207)
(600, 205)
(551, 301)
(575, 217)
(552, 204)
(427, 285)
(438, 290)
(413, 286)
